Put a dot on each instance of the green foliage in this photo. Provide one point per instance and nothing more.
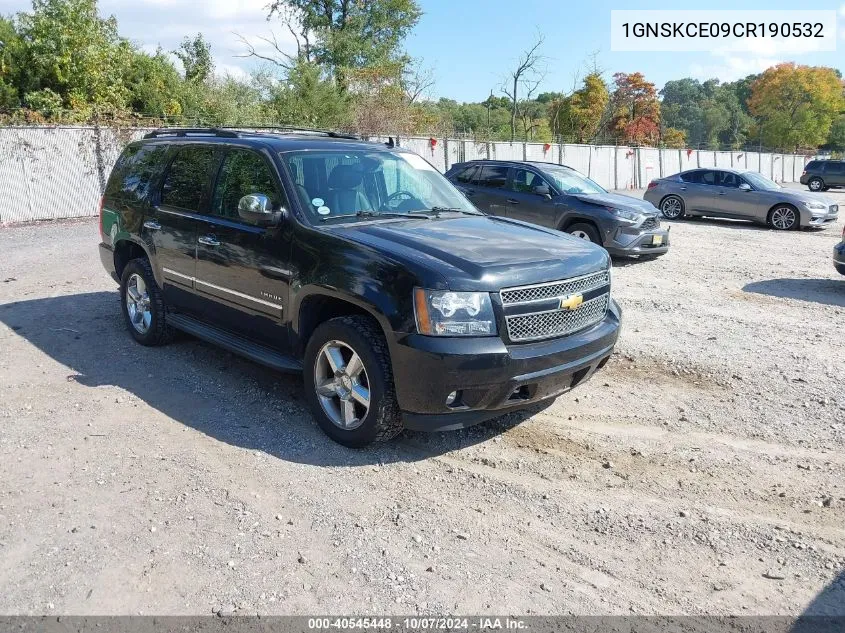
(836, 138)
(195, 55)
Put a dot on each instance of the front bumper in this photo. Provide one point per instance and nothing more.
(825, 218)
(839, 257)
(492, 377)
(632, 241)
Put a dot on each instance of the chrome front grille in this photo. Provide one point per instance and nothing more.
(650, 223)
(530, 327)
(548, 319)
(539, 292)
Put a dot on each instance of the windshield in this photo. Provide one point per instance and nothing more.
(758, 181)
(351, 184)
(570, 181)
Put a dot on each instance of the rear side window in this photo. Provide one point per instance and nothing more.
(243, 173)
(493, 176)
(691, 176)
(134, 173)
(186, 180)
(835, 169)
(465, 177)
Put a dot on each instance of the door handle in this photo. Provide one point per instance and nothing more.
(683, 188)
(722, 193)
(512, 201)
(152, 225)
(209, 240)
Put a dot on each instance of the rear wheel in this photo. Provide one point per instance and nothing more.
(585, 232)
(143, 304)
(784, 218)
(349, 382)
(672, 207)
(815, 184)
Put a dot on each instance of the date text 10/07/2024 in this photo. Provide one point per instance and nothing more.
(419, 623)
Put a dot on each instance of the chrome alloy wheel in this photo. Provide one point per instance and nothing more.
(138, 304)
(784, 218)
(671, 207)
(343, 387)
(582, 234)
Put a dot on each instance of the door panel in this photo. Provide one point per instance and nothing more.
(733, 202)
(490, 193)
(241, 270)
(524, 205)
(700, 194)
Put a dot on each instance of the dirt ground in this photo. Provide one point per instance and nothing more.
(702, 471)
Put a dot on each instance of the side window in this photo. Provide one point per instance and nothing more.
(243, 173)
(525, 181)
(708, 177)
(835, 169)
(186, 180)
(134, 172)
(691, 176)
(727, 179)
(493, 176)
(466, 176)
(815, 165)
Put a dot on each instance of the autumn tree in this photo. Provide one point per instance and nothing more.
(635, 110)
(796, 105)
(587, 106)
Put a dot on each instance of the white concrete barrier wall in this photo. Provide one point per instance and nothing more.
(51, 173)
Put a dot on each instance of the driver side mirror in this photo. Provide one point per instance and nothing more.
(744, 186)
(542, 190)
(256, 208)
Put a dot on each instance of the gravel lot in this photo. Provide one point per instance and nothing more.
(702, 472)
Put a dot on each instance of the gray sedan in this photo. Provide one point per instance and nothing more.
(745, 195)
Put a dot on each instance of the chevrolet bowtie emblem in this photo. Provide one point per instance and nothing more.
(572, 302)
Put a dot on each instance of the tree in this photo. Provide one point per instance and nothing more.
(836, 138)
(796, 105)
(9, 67)
(154, 85)
(306, 97)
(73, 52)
(340, 35)
(587, 106)
(195, 55)
(527, 75)
(635, 110)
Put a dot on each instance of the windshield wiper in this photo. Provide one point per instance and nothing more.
(366, 213)
(438, 210)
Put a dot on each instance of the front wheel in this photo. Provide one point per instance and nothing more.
(784, 218)
(585, 232)
(815, 184)
(672, 208)
(349, 382)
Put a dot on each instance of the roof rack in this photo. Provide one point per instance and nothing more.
(185, 131)
(237, 133)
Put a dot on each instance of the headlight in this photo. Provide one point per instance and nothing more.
(444, 313)
(626, 214)
(819, 206)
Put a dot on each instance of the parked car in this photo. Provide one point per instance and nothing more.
(745, 195)
(559, 197)
(821, 175)
(839, 255)
(360, 266)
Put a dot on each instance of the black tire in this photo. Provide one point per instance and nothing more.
(780, 222)
(585, 231)
(158, 332)
(667, 209)
(815, 184)
(383, 420)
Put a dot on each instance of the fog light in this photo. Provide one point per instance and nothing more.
(452, 398)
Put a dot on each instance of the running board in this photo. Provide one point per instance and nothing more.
(234, 343)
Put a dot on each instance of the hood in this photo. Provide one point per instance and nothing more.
(803, 196)
(479, 253)
(617, 200)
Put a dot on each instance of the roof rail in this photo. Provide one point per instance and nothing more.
(299, 130)
(185, 131)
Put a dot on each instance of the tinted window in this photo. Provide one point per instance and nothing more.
(494, 176)
(815, 164)
(186, 180)
(708, 177)
(467, 175)
(727, 179)
(243, 173)
(525, 181)
(837, 169)
(134, 172)
(691, 176)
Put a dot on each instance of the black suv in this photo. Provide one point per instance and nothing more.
(821, 175)
(559, 197)
(358, 265)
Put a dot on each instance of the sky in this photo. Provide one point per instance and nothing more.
(470, 44)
